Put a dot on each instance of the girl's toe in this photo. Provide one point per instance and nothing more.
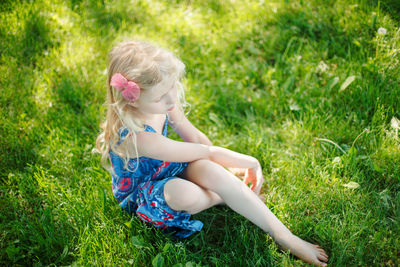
(320, 263)
(322, 258)
(322, 252)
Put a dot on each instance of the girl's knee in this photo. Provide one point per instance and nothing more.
(213, 176)
(200, 164)
(180, 194)
(207, 167)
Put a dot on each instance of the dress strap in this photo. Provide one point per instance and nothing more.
(164, 133)
(123, 134)
(148, 128)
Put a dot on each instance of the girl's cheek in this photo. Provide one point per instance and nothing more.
(172, 98)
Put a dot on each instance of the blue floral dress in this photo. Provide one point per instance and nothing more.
(141, 191)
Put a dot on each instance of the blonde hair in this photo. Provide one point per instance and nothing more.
(147, 65)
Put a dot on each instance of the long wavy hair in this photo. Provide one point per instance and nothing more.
(147, 65)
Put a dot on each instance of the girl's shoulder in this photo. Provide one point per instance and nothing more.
(156, 125)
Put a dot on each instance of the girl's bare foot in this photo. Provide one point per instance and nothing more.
(306, 251)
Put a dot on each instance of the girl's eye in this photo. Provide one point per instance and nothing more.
(158, 100)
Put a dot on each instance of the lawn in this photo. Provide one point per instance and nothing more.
(310, 88)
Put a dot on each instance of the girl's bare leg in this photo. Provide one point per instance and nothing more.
(211, 176)
(183, 195)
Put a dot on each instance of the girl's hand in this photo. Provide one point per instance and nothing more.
(255, 177)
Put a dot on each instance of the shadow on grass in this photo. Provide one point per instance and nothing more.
(21, 131)
(392, 7)
(33, 232)
(109, 20)
(36, 38)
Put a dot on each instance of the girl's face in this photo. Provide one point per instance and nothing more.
(158, 100)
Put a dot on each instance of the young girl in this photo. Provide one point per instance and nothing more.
(164, 181)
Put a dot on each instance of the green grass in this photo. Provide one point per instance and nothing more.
(266, 78)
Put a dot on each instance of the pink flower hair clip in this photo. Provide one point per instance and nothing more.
(129, 89)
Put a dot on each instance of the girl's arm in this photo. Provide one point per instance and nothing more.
(156, 146)
(185, 129)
